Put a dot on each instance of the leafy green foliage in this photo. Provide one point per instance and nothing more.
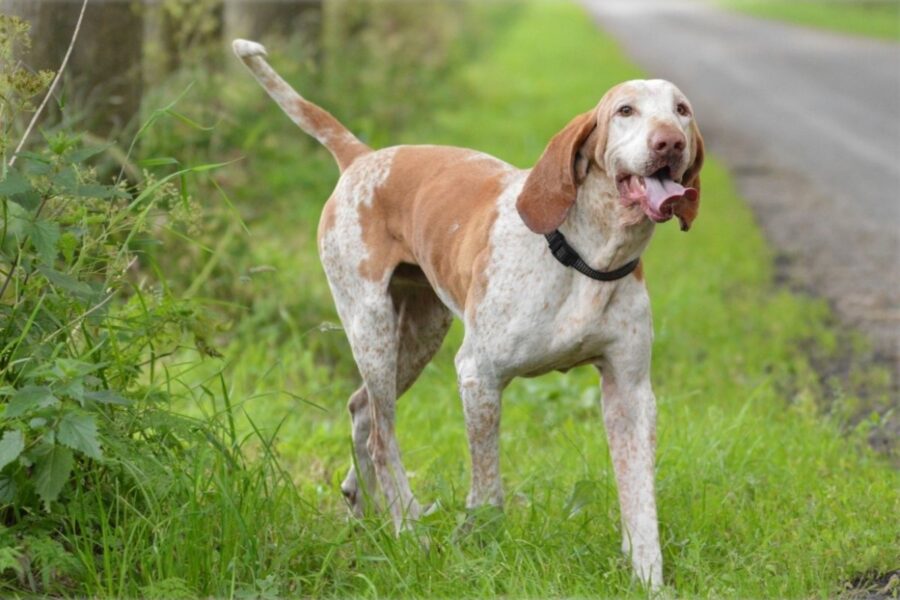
(11, 446)
(85, 322)
(76, 327)
(78, 431)
(98, 275)
(53, 465)
(18, 84)
(759, 494)
(178, 476)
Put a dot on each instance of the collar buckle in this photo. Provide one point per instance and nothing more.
(561, 249)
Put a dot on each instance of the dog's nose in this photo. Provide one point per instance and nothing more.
(665, 141)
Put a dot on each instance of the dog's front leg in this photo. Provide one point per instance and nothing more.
(629, 415)
(480, 394)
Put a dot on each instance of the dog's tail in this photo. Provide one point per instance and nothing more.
(314, 120)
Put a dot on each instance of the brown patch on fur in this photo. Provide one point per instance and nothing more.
(386, 249)
(639, 271)
(343, 145)
(435, 210)
(687, 211)
(327, 220)
(552, 185)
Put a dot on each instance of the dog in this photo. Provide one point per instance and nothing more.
(542, 266)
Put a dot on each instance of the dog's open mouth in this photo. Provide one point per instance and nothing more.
(657, 194)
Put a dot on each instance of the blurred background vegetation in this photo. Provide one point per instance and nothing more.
(868, 18)
(126, 262)
(174, 374)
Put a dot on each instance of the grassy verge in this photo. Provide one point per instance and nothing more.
(760, 495)
(871, 18)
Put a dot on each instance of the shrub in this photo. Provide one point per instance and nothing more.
(85, 322)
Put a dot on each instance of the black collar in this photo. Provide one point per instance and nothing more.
(567, 255)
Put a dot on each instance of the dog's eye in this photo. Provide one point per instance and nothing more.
(682, 109)
(625, 111)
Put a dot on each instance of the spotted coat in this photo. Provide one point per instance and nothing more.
(414, 235)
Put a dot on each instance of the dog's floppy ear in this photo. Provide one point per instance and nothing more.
(552, 185)
(687, 210)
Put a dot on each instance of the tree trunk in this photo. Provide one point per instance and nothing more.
(259, 19)
(103, 77)
(190, 31)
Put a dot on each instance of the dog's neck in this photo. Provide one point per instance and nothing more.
(601, 229)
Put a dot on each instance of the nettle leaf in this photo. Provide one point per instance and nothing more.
(8, 491)
(106, 397)
(32, 157)
(28, 200)
(44, 235)
(79, 432)
(49, 371)
(95, 190)
(82, 154)
(65, 180)
(14, 183)
(53, 466)
(67, 244)
(30, 397)
(72, 367)
(74, 389)
(16, 219)
(60, 142)
(11, 446)
(67, 283)
(35, 164)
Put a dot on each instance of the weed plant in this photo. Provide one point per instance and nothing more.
(91, 452)
(196, 475)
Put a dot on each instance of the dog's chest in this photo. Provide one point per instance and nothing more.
(570, 322)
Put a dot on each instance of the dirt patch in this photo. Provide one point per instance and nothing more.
(856, 388)
(873, 586)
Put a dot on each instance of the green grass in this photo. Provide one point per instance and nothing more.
(760, 494)
(872, 18)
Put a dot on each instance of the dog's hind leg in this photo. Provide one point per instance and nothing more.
(392, 337)
(360, 484)
(423, 322)
(372, 329)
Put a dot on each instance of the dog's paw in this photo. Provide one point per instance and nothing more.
(246, 48)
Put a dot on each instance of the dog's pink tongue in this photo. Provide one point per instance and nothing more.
(663, 195)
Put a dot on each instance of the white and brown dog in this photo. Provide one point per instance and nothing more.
(413, 235)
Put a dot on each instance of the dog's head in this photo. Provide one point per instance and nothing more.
(642, 135)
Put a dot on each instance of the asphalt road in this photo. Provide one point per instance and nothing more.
(809, 123)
